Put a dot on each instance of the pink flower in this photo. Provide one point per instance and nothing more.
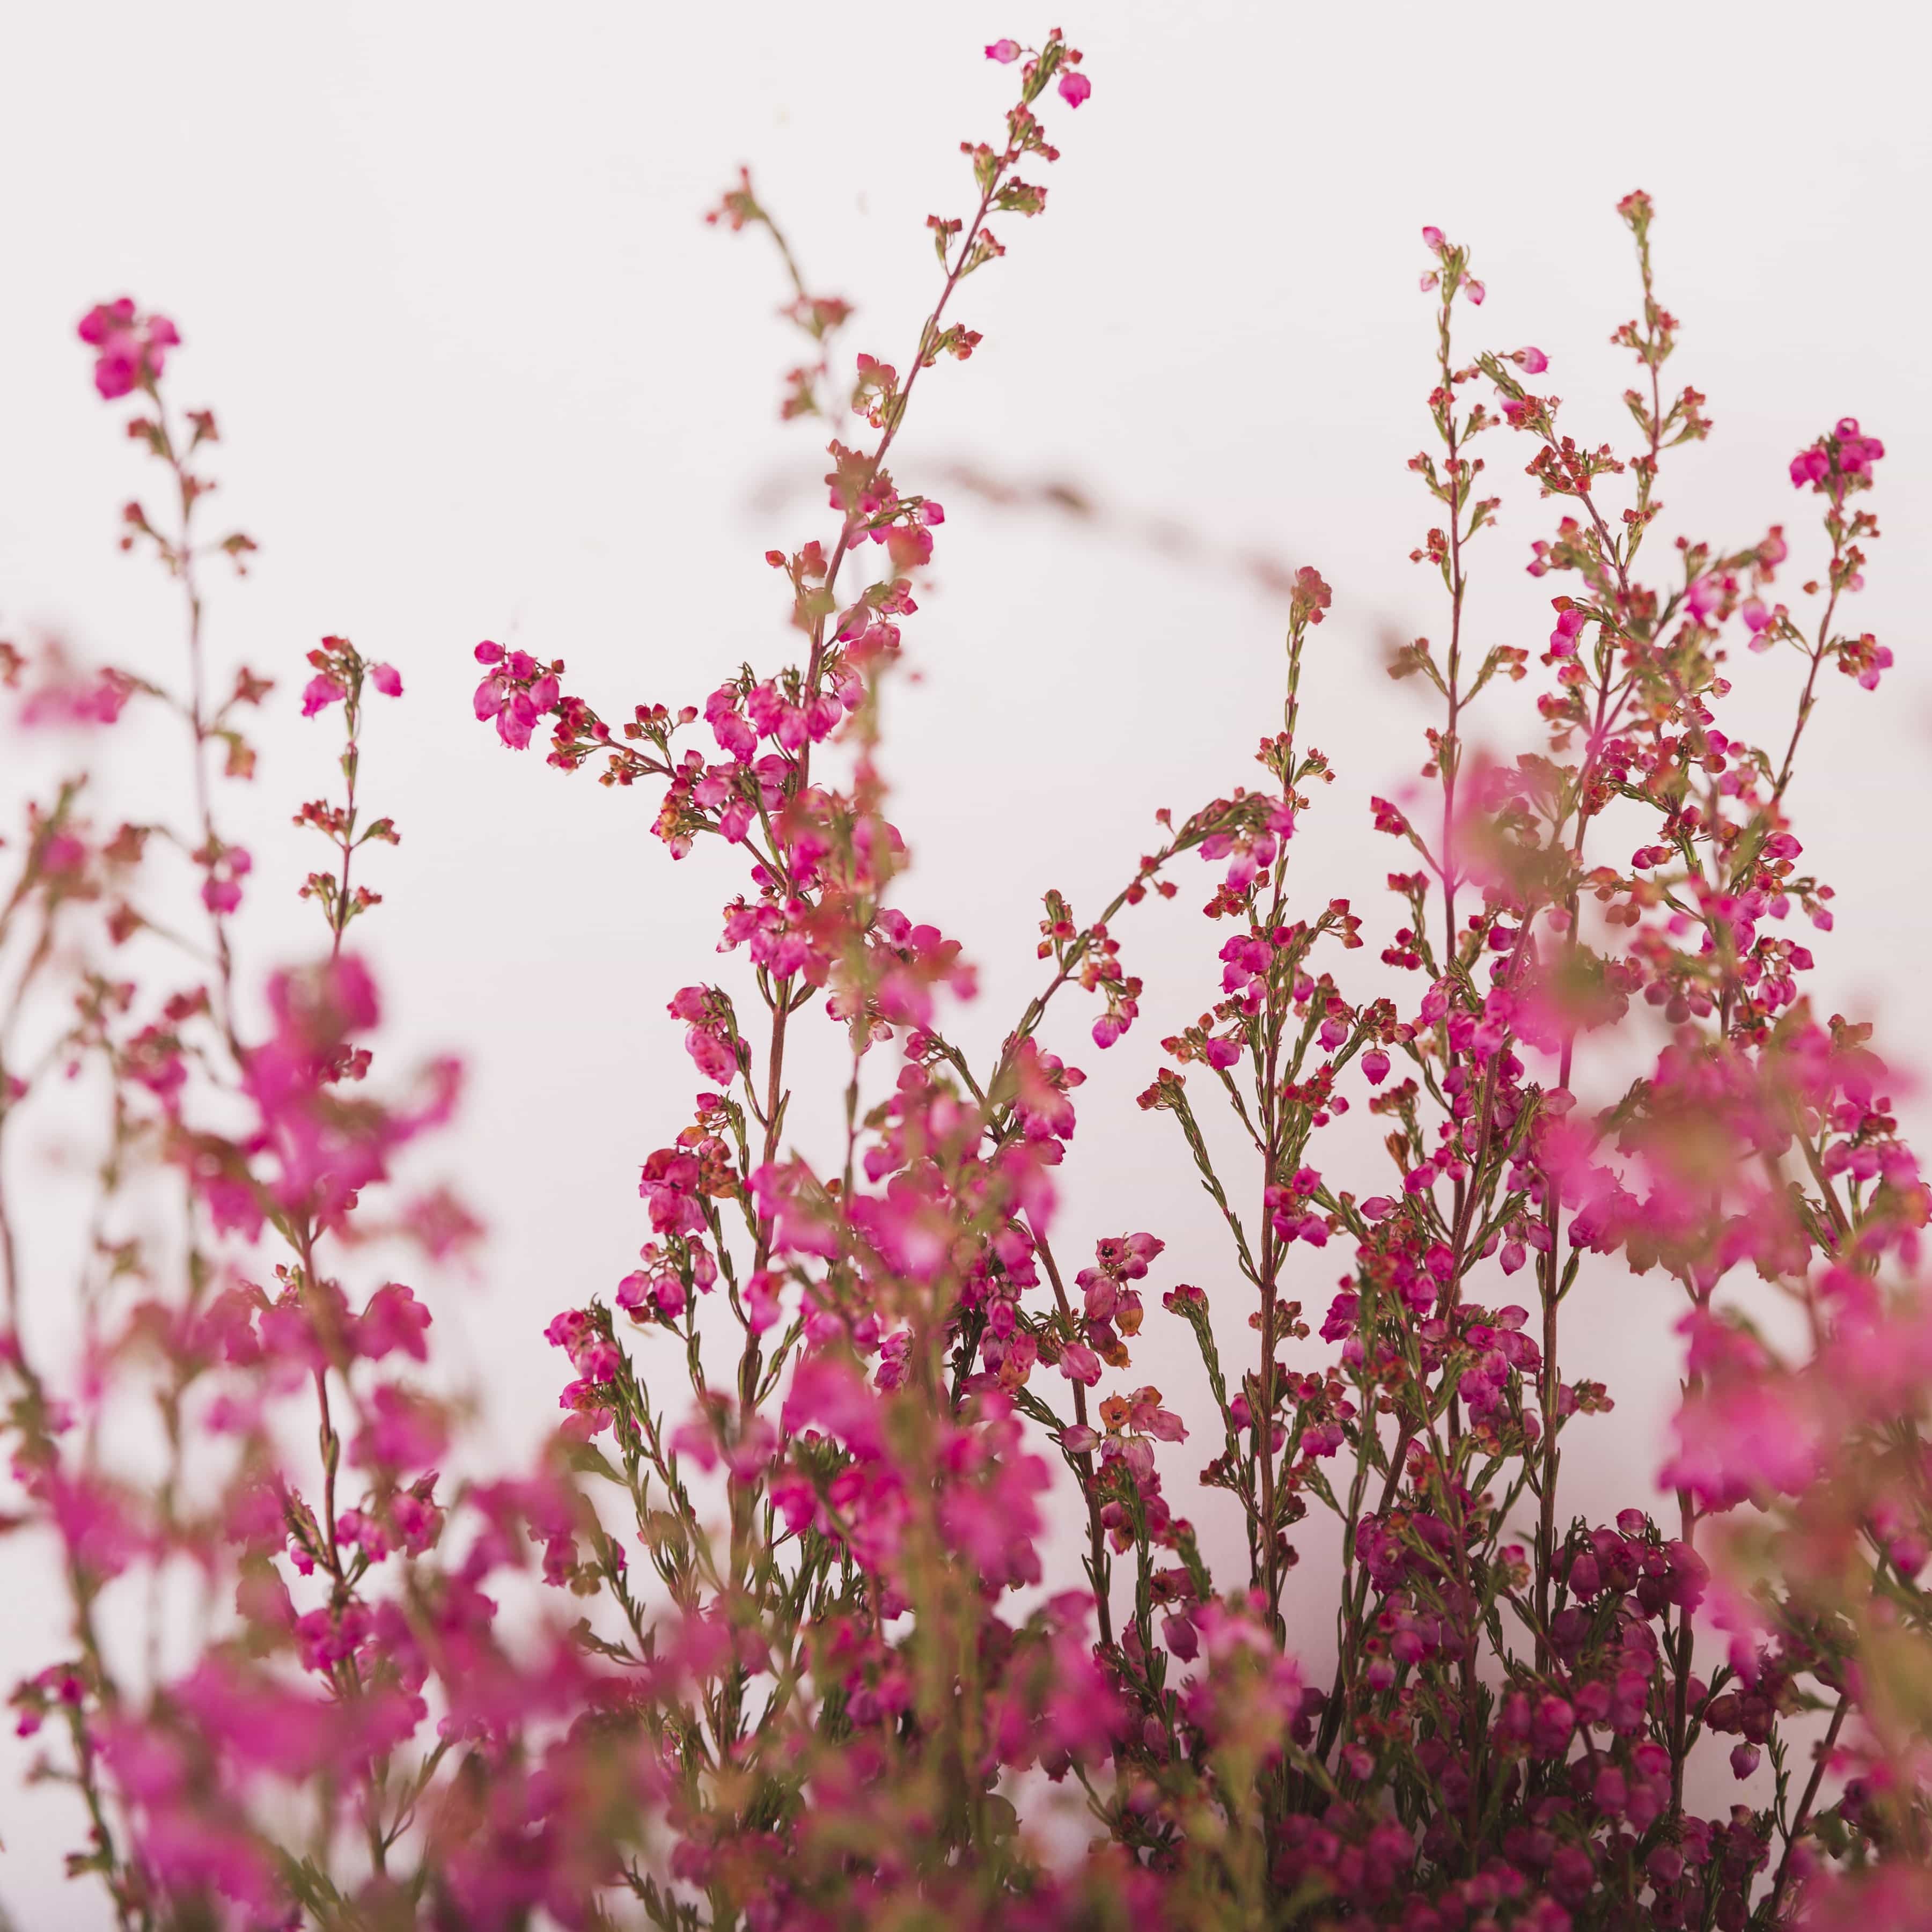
(1743, 1438)
(1845, 451)
(394, 1319)
(1856, 452)
(1078, 1363)
(71, 697)
(132, 347)
(326, 1151)
(406, 1430)
(321, 691)
(1531, 362)
(1569, 627)
(1703, 597)
(830, 1394)
(1074, 88)
(221, 890)
(516, 694)
(1004, 51)
(1145, 1415)
(387, 679)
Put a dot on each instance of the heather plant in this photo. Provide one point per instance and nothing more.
(799, 1655)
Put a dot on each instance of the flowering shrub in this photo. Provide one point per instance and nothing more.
(817, 1667)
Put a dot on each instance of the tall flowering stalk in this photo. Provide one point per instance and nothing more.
(351, 1743)
(841, 1687)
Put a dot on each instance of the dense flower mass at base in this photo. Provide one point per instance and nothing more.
(793, 1648)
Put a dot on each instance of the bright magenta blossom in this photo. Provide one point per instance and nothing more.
(131, 348)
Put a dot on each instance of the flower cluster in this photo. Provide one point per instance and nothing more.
(237, 1295)
(130, 348)
(802, 1646)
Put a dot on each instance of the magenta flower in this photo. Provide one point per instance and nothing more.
(517, 693)
(322, 691)
(131, 348)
